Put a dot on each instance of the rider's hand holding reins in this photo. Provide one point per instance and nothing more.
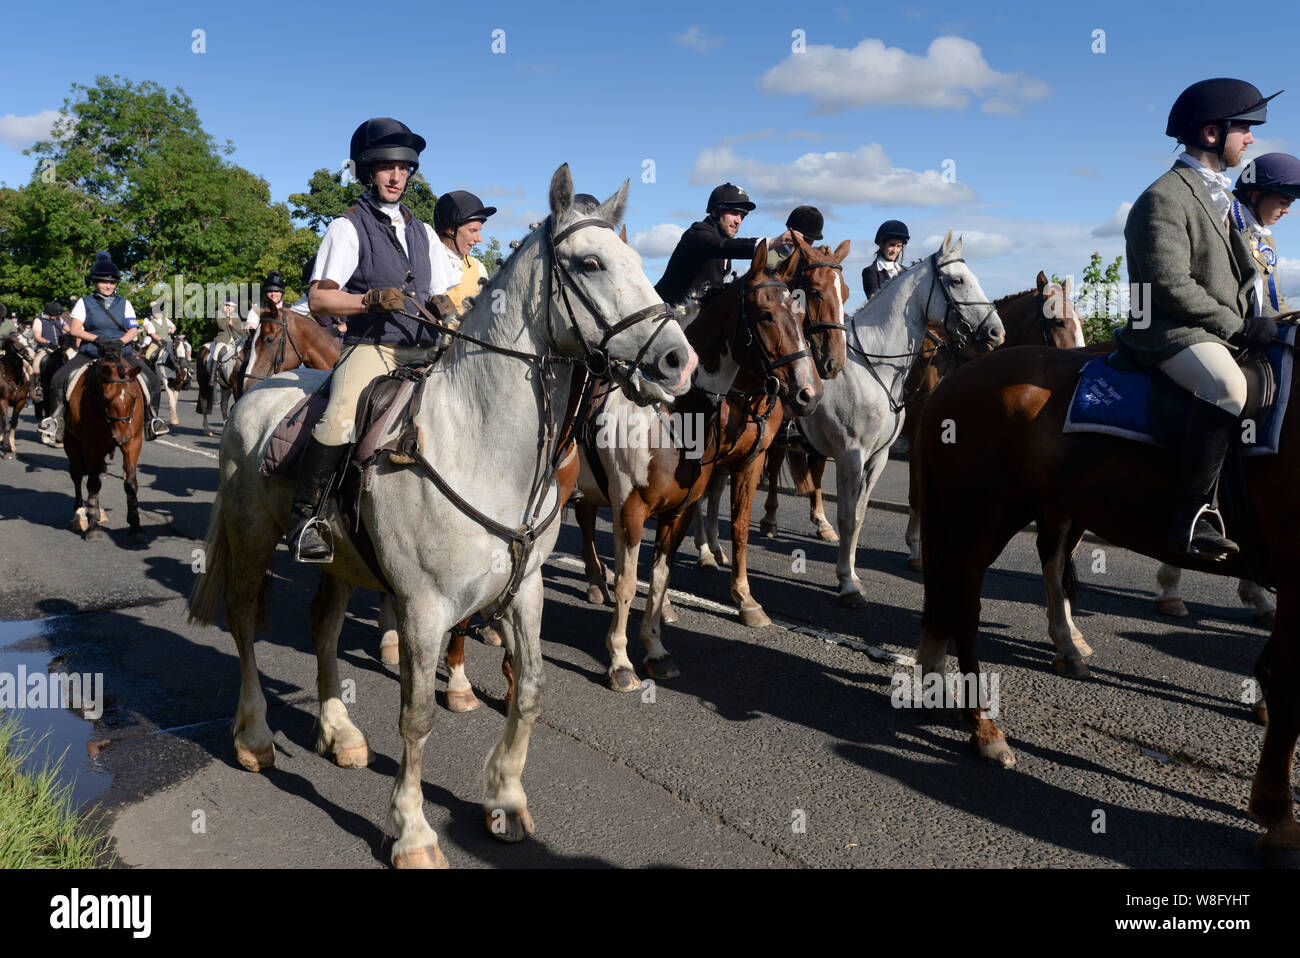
(385, 300)
(1257, 332)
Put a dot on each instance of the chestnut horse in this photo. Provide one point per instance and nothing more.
(1006, 454)
(286, 340)
(753, 358)
(16, 356)
(106, 411)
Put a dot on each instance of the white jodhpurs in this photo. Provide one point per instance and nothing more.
(1208, 371)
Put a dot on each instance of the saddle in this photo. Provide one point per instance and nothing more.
(81, 371)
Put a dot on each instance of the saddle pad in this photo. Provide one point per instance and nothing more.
(289, 439)
(1135, 405)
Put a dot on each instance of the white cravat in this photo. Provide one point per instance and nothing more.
(1218, 184)
(893, 268)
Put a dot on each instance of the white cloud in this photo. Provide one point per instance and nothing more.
(696, 39)
(20, 132)
(657, 241)
(863, 176)
(976, 244)
(1115, 225)
(952, 71)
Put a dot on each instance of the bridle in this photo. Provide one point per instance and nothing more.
(1046, 325)
(803, 270)
(103, 385)
(277, 361)
(964, 328)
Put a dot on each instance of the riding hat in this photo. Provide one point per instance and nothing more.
(1221, 100)
(807, 220)
(728, 196)
(273, 281)
(104, 268)
(1276, 172)
(457, 208)
(54, 308)
(384, 138)
(892, 229)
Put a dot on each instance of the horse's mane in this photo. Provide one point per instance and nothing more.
(1010, 296)
(110, 350)
(910, 266)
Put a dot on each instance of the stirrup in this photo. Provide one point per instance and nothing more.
(1221, 550)
(51, 430)
(314, 542)
(155, 427)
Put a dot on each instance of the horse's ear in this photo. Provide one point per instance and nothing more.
(611, 211)
(785, 272)
(132, 371)
(841, 252)
(946, 247)
(1042, 280)
(759, 262)
(622, 233)
(561, 192)
(1065, 287)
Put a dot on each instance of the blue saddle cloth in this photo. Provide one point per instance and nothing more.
(1147, 407)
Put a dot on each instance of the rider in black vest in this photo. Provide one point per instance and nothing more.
(704, 253)
(370, 275)
(105, 315)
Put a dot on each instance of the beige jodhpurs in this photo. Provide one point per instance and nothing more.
(354, 372)
(1208, 371)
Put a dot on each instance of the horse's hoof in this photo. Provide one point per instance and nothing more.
(1283, 835)
(461, 700)
(8, 454)
(1260, 711)
(488, 635)
(664, 668)
(509, 826)
(137, 538)
(767, 529)
(706, 560)
(93, 534)
(354, 756)
(597, 594)
(175, 420)
(207, 432)
(754, 617)
(1265, 620)
(623, 679)
(995, 752)
(853, 600)
(1172, 607)
(916, 565)
(667, 614)
(388, 654)
(255, 761)
(428, 857)
(827, 533)
(723, 560)
(1071, 668)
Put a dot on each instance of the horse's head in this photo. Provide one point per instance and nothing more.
(958, 303)
(768, 339)
(819, 276)
(602, 307)
(119, 395)
(16, 344)
(1057, 316)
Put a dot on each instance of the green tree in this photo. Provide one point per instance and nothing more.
(328, 196)
(1098, 299)
(489, 254)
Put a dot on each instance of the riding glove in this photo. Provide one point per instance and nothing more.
(387, 300)
(1257, 332)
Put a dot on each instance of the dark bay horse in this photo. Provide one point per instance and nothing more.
(753, 359)
(106, 412)
(286, 340)
(15, 383)
(1006, 463)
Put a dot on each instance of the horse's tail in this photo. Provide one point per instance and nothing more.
(800, 474)
(209, 588)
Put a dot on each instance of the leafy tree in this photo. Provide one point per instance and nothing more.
(328, 196)
(1098, 299)
(489, 254)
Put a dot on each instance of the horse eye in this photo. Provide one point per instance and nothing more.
(957, 281)
(592, 264)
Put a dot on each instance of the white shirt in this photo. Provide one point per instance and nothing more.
(457, 266)
(301, 306)
(1218, 184)
(252, 320)
(340, 252)
(79, 312)
(893, 268)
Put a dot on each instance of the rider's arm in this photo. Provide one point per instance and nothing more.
(336, 261)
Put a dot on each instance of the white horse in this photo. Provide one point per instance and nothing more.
(487, 422)
(861, 412)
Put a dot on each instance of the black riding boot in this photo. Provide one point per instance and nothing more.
(1198, 529)
(155, 425)
(309, 538)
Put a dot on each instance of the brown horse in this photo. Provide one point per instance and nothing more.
(224, 380)
(753, 359)
(1007, 463)
(286, 340)
(106, 412)
(16, 357)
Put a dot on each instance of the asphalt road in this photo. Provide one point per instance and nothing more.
(776, 747)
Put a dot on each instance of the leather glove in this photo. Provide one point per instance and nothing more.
(389, 299)
(1258, 331)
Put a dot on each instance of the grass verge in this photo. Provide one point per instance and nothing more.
(38, 826)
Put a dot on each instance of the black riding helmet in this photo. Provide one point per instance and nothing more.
(1222, 101)
(104, 268)
(384, 139)
(1274, 172)
(274, 281)
(892, 229)
(453, 210)
(807, 220)
(728, 196)
(54, 308)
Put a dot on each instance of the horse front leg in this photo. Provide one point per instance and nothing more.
(658, 663)
(94, 482)
(597, 586)
(767, 527)
(460, 694)
(388, 649)
(1278, 671)
(422, 622)
(816, 507)
(851, 488)
(339, 738)
(10, 450)
(131, 482)
(505, 806)
(629, 520)
(743, 486)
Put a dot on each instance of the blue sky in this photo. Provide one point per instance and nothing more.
(1042, 139)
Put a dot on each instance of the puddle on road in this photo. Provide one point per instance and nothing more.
(36, 687)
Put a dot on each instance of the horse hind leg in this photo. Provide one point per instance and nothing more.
(1169, 602)
(339, 738)
(460, 694)
(1053, 551)
(658, 663)
(597, 584)
(1278, 671)
(816, 507)
(1255, 596)
(767, 528)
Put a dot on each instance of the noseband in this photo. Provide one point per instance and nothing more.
(771, 385)
(808, 268)
(103, 393)
(964, 330)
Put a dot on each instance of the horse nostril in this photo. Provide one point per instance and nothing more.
(673, 360)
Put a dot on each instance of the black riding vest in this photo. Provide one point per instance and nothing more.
(381, 262)
(701, 259)
(101, 325)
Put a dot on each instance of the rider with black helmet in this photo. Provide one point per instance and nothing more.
(891, 238)
(106, 315)
(1197, 278)
(375, 263)
(1263, 195)
(704, 252)
(458, 219)
(806, 222)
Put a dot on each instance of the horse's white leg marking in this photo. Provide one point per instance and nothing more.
(717, 485)
(504, 802)
(339, 738)
(913, 536)
(1059, 625)
(932, 654)
(422, 622)
(621, 674)
(651, 629)
(388, 648)
(1169, 601)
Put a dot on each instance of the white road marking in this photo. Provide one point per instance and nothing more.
(689, 599)
(197, 452)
